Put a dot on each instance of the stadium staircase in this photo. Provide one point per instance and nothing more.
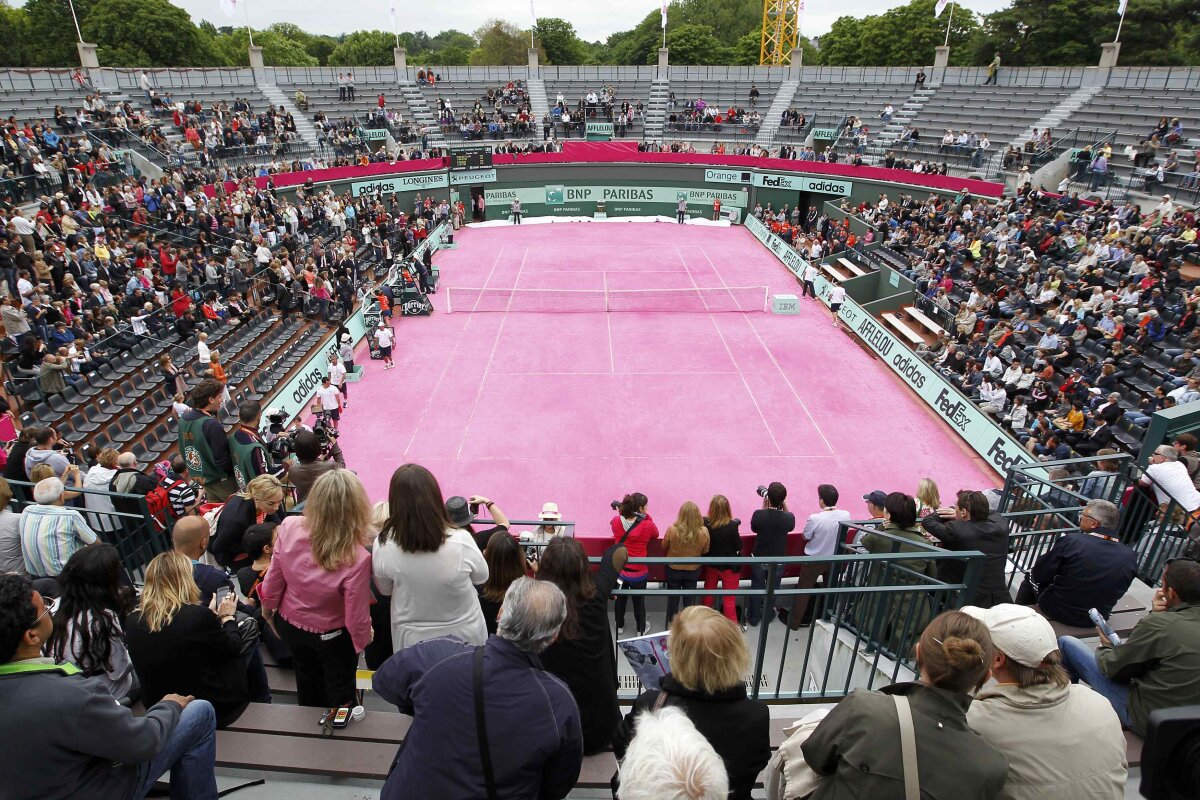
(304, 126)
(903, 116)
(422, 114)
(539, 102)
(656, 108)
(1052, 119)
(771, 119)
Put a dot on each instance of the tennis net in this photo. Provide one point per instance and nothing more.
(582, 301)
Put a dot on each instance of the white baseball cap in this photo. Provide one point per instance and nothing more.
(1019, 632)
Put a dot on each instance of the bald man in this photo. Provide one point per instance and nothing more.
(190, 537)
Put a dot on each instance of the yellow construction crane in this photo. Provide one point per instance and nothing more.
(780, 31)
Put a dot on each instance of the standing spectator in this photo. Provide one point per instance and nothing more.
(584, 655)
(1083, 570)
(1158, 666)
(99, 503)
(105, 750)
(1061, 741)
(899, 534)
(247, 450)
(668, 759)
(87, 621)
(724, 542)
(856, 749)
(993, 71)
(451, 688)
(309, 466)
(176, 643)
(687, 537)
(820, 539)
(50, 533)
(203, 443)
(318, 589)
(633, 528)
(771, 524)
(429, 567)
(971, 525)
(709, 661)
(506, 562)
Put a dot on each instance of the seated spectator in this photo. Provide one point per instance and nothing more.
(1169, 478)
(1087, 569)
(98, 501)
(442, 682)
(668, 759)
(11, 558)
(87, 621)
(259, 543)
(1061, 740)
(50, 533)
(190, 537)
(857, 750)
(428, 566)
(176, 643)
(184, 494)
(318, 589)
(709, 661)
(47, 449)
(105, 750)
(309, 465)
(1158, 666)
(15, 469)
(506, 562)
(261, 502)
(971, 525)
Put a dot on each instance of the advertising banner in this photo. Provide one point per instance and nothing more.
(994, 444)
(727, 176)
(473, 176)
(399, 183)
(782, 250)
(802, 183)
(294, 397)
(559, 195)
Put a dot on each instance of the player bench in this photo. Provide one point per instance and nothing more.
(834, 274)
(919, 316)
(908, 333)
(853, 268)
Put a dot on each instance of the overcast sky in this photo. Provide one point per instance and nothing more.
(593, 19)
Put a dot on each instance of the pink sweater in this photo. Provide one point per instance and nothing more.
(312, 598)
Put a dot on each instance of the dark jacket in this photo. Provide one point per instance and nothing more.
(724, 542)
(303, 476)
(737, 727)
(532, 723)
(14, 470)
(195, 654)
(587, 663)
(238, 514)
(82, 743)
(858, 747)
(1081, 572)
(989, 537)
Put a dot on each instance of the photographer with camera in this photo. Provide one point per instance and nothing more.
(311, 463)
(247, 449)
(771, 524)
(633, 528)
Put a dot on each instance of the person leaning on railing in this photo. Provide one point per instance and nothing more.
(971, 525)
(887, 618)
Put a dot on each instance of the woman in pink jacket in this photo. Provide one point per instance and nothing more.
(317, 590)
(633, 527)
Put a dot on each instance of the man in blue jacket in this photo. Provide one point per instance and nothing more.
(469, 703)
(65, 736)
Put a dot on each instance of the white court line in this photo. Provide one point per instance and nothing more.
(491, 357)
(771, 355)
(449, 361)
(706, 457)
(612, 361)
(733, 360)
(705, 372)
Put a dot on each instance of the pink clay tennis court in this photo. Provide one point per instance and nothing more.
(580, 408)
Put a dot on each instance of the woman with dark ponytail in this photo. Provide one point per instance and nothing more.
(633, 528)
(857, 747)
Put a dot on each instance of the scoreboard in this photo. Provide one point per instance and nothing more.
(476, 157)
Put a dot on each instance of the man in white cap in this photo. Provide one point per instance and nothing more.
(1062, 740)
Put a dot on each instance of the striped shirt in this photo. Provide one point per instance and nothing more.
(50, 535)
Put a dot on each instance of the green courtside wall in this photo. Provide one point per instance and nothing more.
(1000, 450)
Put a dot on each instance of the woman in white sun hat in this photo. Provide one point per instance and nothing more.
(540, 536)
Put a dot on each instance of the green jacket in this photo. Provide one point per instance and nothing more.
(858, 748)
(895, 620)
(1160, 661)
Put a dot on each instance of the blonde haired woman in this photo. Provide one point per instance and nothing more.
(709, 661)
(178, 646)
(687, 537)
(262, 501)
(928, 498)
(318, 588)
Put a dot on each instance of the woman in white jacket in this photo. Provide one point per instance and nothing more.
(101, 514)
(429, 567)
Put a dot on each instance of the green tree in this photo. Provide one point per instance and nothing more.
(145, 33)
(14, 32)
(500, 43)
(695, 44)
(729, 19)
(558, 39)
(639, 45)
(365, 49)
(278, 51)
(903, 36)
(51, 33)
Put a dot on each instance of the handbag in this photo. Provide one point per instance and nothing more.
(485, 752)
(789, 777)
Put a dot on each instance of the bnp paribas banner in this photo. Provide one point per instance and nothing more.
(989, 440)
(561, 199)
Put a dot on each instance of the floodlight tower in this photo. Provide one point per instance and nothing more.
(780, 31)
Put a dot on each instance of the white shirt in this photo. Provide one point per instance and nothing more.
(330, 397)
(821, 531)
(433, 594)
(1173, 483)
(203, 352)
(837, 295)
(337, 373)
(383, 337)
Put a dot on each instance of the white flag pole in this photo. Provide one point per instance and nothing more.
(395, 30)
(249, 30)
(533, 13)
(664, 23)
(1124, 5)
(949, 22)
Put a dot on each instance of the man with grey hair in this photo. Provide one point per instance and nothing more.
(469, 703)
(1168, 477)
(669, 759)
(1087, 569)
(51, 533)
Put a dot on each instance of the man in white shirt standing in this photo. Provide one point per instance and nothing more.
(837, 296)
(337, 378)
(384, 339)
(1169, 478)
(821, 533)
(331, 400)
(809, 277)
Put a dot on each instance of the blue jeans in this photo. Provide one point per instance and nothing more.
(1081, 663)
(189, 753)
(758, 580)
(1137, 418)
